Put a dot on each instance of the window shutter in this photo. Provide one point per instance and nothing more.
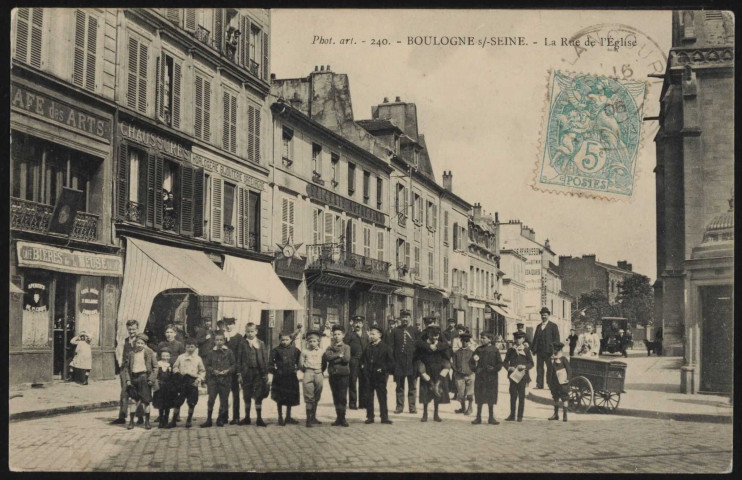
(245, 43)
(160, 95)
(249, 202)
(37, 25)
(250, 133)
(455, 236)
(266, 70)
(353, 246)
(198, 202)
(366, 242)
(21, 40)
(207, 111)
(291, 220)
(122, 190)
(284, 220)
(218, 28)
(445, 226)
(233, 125)
(198, 120)
(380, 245)
(173, 14)
(328, 228)
(176, 94)
(159, 165)
(407, 255)
(216, 209)
(190, 19)
(152, 190)
(142, 93)
(92, 49)
(317, 222)
(78, 70)
(256, 134)
(225, 122)
(435, 217)
(186, 200)
(131, 87)
(243, 221)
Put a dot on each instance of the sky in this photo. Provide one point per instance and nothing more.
(482, 109)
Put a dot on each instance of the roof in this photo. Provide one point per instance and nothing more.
(378, 125)
(614, 267)
(425, 166)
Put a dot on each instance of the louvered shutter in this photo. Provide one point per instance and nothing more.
(291, 220)
(152, 190)
(173, 15)
(198, 120)
(176, 94)
(366, 242)
(396, 200)
(435, 217)
(243, 213)
(266, 70)
(218, 28)
(245, 43)
(198, 202)
(190, 19)
(216, 209)
(380, 245)
(131, 86)
(328, 228)
(353, 243)
(256, 134)
(78, 70)
(186, 200)
(317, 222)
(207, 111)
(407, 254)
(455, 236)
(250, 133)
(91, 54)
(160, 92)
(233, 124)
(445, 226)
(37, 25)
(86, 43)
(159, 165)
(142, 93)
(22, 27)
(284, 220)
(122, 188)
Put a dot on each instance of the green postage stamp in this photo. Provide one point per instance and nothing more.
(592, 135)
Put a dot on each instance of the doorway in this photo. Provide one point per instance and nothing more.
(64, 323)
(717, 337)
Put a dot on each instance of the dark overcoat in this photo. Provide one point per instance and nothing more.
(403, 348)
(486, 370)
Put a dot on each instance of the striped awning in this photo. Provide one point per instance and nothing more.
(14, 289)
(152, 268)
(500, 310)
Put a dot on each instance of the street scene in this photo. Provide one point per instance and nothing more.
(275, 240)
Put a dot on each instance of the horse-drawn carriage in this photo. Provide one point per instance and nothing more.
(596, 383)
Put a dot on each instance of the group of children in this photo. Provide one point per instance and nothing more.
(171, 376)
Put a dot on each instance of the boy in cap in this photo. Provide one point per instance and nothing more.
(463, 375)
(336, 359)
(377, 362)
(486, 362)
(192, 370)
(220, 365)
(310, 362)
(521, 328)
(357, 340)
(252, 365)
(558, 376)
(518, 359)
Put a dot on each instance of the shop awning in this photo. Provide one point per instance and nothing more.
(152, 268)
(14, 289)
(499, 310)
(259, 280)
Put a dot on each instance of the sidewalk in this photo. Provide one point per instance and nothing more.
(653, 391)
(59, 397)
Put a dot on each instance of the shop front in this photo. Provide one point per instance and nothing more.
(428, 303)
(65, 292)
(290, 270)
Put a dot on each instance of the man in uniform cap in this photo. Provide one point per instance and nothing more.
(378, 363)
(547, 333)
(522, 329)
(357, 339)
(387, 338)
(403, 348)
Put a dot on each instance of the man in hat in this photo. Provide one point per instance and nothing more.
(450, 332)
(357, 340)
(234, 341)
(522, 329)
(547, 333)
(403, 348)
(387, 338)
(378, 362)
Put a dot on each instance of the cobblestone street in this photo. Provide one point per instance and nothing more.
(587, 443)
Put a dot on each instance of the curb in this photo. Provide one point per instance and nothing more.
(50, 412)
(631, 412)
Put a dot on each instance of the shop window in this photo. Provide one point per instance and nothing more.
(136, 79)
(89, 308)
(86, 46)
(202, 110)
(29, 38)
(36, 311)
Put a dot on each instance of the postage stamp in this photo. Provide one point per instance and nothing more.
(591, 136)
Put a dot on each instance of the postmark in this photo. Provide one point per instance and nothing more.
(591, 136)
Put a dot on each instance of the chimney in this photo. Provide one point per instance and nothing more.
(321, 68)
(328, 68)
(589, 258)
(316, 68)
(398, 99)
(273, 76)
(477, 210)
(625, 265)
(497, 218)
(386, 100)
(448, 181)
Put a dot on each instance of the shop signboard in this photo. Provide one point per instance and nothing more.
(36, 255)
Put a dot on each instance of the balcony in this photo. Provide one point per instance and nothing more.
(35, 217)
(332, 257)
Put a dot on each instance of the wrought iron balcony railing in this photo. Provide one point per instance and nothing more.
(35, 217)
(334, 255)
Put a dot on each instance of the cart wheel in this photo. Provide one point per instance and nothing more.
(580, 394)
(607, 402)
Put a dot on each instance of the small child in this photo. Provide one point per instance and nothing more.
(140, 371)
(485, 362)
(220, 364)
(83, 360)
(284, 364)
(518, 359)
(165, 392)
(462, 374)
(557, 378)
(310, 362)
(192, 371)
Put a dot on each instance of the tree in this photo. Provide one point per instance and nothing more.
(636, 300)
(595, 306)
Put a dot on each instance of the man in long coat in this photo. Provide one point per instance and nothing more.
(403, 347)
(547, 333)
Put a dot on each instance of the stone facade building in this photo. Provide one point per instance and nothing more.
(586, 274)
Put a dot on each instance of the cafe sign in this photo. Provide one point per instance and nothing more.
(149, 139)
(58, 112)
(227, 172)
(344, 204)
(36, 255)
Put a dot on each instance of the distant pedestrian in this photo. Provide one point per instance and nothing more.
(220, 365)
(463, 375)
(486, 363)
(377, 363)
(558, 381)
(572, 339)
(336, 358)
(434, 357)
(82, 362)
(165, 390)
(543, 340)
(284, 363)
(252, 365)
(140, 370)
(310, 363)
(403, 348)
(518, 361)
(190, 367)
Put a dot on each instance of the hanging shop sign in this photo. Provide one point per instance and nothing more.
(36, 255)
(226, 171)
(344, 204)
(58, 112)
(149, 139)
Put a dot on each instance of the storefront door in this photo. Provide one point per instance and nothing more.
(64, 323)
(717, 336)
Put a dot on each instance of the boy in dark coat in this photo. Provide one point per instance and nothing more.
(485, 363)
(377, 362)
(234, 340)
(463, 375)
(357, 340)
(557, 379)
(434, 357)
(336, 359)
(253, 359)
(219, 363)
(518, 358)
(285, 390)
